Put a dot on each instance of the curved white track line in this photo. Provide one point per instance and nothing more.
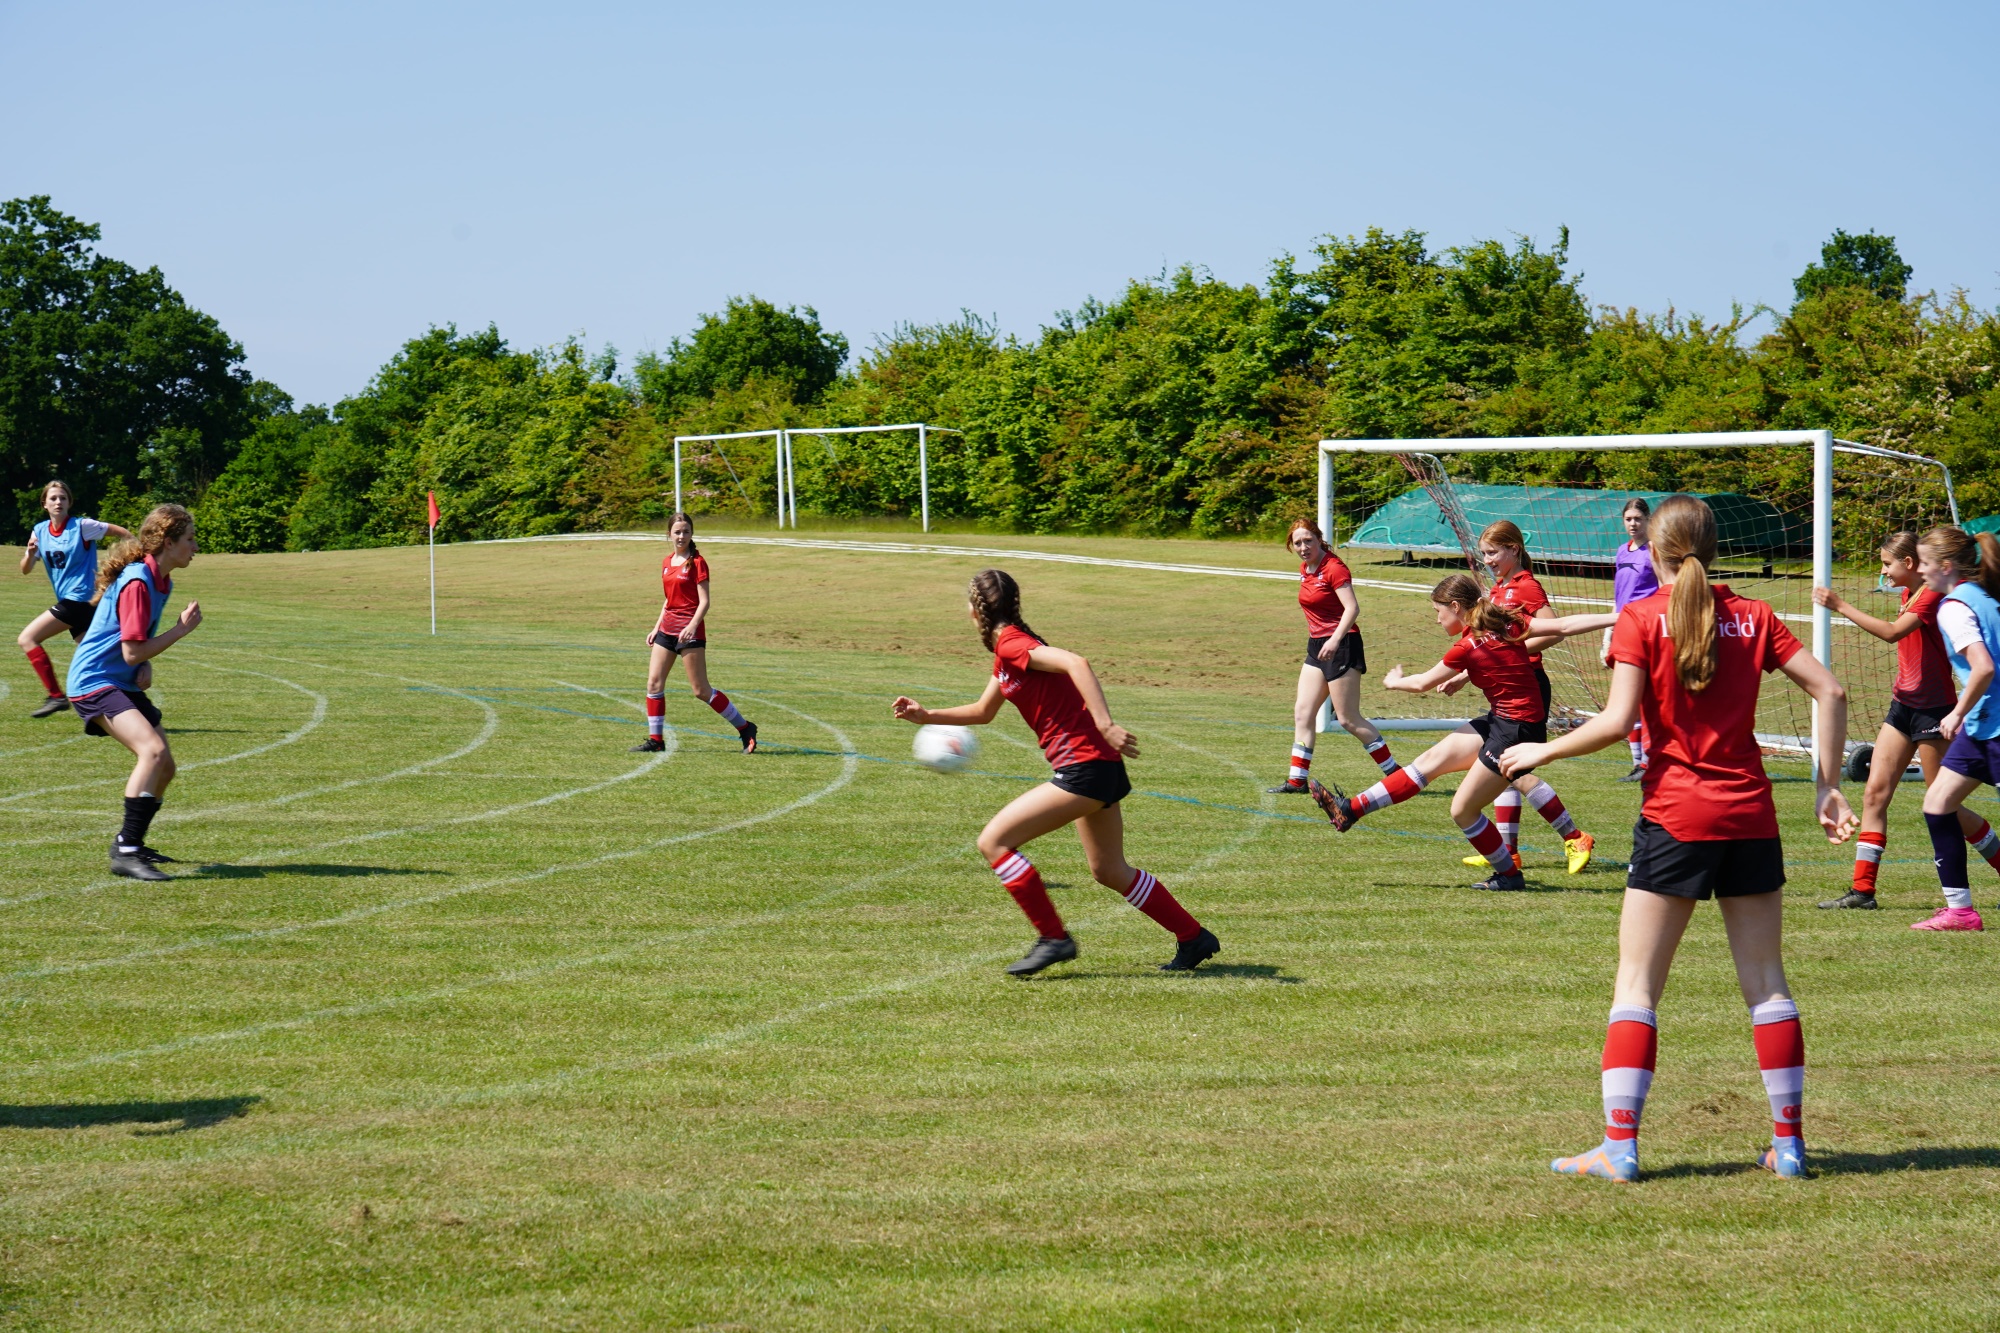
(312, 724)
(9, 754)
(850, 763)
(5, 690)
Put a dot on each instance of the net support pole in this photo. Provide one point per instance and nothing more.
(924, 473)
(678, 507)
(1822, 560)
(790, 484)
(1326, 719)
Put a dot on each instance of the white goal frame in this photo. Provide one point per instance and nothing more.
(1822, 443)
(788, 496)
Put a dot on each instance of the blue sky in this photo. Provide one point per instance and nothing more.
(330, 180)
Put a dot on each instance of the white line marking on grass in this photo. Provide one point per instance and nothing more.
(312, 724)
(850, 763)
(9, 754)
(5, 690)
(364, 1008)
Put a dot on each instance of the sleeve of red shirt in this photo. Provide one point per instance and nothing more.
(1925, 605)
(701, 569)
(1779, 644)
(1628, 638)
(1534, 598)
(1012, 648)
(1336, 573)
(135, 613)
(1458, 655)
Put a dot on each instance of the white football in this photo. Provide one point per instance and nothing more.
(945, 749)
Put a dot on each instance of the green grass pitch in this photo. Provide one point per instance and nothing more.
(461, 1016)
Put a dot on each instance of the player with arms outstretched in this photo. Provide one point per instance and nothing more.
(67, 545)
(682, 632)
(1923, 694)
(1059, 698)
(1335, 661)
(113, 667)
(1493, 651)
(1691, 658)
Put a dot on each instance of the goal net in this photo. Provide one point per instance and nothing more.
(1794, 509)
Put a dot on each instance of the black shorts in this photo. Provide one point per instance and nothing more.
(1548, 690)
(673, 644)
(100, 707)
(1498, 733)
(1735, 868)
(76, 615)
(1099, 779)
(1350, 656)
(1919, 724)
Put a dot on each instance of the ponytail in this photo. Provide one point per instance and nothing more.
(1683, 537)
(1476, 609)
(996, 601)
(1976, 559)
(1989, 564)
(166, 525)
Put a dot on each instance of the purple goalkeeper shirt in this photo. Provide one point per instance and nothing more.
(1632, 575)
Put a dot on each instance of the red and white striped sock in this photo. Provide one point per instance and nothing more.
(1151, 897)
(1985, 841)
(1868, 860)
(1394, 789)
(1549, 805)
(1636, 739)
(656, 716)
(1781, 1058)
(1631, 1050)
(1486, 840)
(38, 658)
(1507, 814)
(1302, 762)
(1025, 883)
(1379, 752)
(720, 703)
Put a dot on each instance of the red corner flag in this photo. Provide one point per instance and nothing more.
(434, 507)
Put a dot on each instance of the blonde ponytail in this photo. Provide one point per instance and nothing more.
(1683, 539)
(1977, 559)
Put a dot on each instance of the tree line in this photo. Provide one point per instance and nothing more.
(1186, 405)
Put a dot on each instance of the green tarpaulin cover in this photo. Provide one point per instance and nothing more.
(1565, 523)
(1991, 523)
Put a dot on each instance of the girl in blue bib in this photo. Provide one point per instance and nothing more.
(67, 546)
(113, 666)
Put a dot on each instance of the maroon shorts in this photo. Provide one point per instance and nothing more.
(100, 707)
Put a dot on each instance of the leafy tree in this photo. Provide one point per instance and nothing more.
(249, 507)
(751, 339)
(1867, 261)
(104, 367)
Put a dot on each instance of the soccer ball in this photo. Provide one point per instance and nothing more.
(945, 749)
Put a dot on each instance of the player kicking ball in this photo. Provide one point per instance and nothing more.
(113, 666)
(1059, 698)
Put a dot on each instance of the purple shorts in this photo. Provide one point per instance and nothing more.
(1978, 760)
(100, 707)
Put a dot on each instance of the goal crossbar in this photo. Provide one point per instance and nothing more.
(788, 496)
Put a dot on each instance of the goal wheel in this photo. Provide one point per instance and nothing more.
(1858, 761)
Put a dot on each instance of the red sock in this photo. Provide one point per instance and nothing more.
(1868, 860)
(1025, 883)
(656, 716)
(720, 703)
(1982, 840)
(1485, 838)
(1379, 752)
(1151, 897)
(1631, 1050)
(1781, 1058)
(38, 658)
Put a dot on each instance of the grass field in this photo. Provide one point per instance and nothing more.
(461, 1016)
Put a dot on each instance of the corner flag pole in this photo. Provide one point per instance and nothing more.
(433, 497)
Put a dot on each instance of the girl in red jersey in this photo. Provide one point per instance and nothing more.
(682, 632)
(1494, 652)
(1334, 661)
(1504, 552)
(1059, 698)
(1924, 692)
(1690, 658)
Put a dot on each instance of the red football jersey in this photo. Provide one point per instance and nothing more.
(1319, 595)
(680, 578)
(1049, 702)
(1705, 777)
(1923, 671)
(1503, 672)
(1521, 593)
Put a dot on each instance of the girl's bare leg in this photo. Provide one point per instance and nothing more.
(1039, 810)
(1305, 706)
(155, 766)
(40, 630)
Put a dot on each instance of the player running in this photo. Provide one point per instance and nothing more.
(1690, 658)
(1504, 552)
(1059, 698)
(1632, 577)
(1335, 661)
(1967, 573)
(681, 633)
(66, 544)
(1494, 652)
(113, 666)
(1923, 694)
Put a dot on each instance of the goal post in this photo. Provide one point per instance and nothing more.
(1775, 492)
(784, 462)
(924, 432)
